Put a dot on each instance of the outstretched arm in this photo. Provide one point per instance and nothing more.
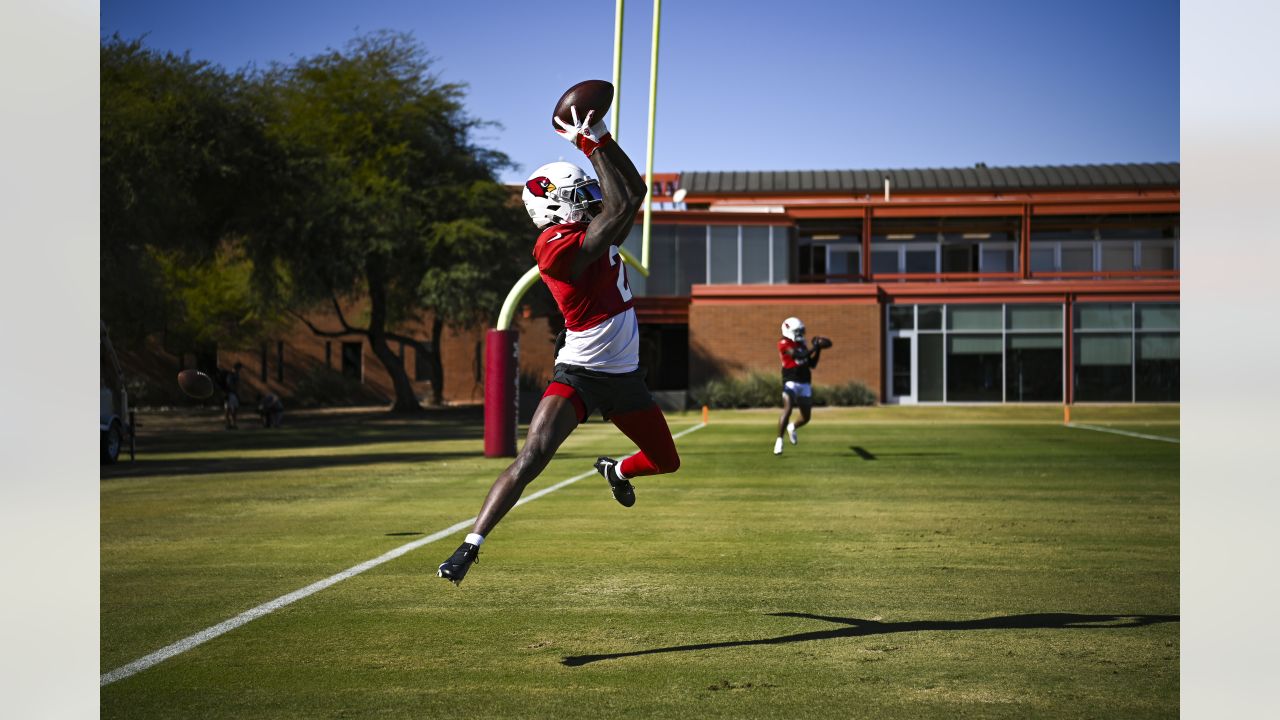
(621, 185)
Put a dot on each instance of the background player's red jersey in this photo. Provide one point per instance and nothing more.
(795, 367)
(599, 293)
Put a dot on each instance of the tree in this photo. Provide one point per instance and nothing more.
(381, 187)
(474, 265)
(184, 161)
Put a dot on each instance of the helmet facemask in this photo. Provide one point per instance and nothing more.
(561, 192)
(582, 199)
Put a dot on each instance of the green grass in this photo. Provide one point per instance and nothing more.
(900, 562)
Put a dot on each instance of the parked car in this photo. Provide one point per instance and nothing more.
(115, 420)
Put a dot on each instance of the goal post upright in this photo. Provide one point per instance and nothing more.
(502, 347)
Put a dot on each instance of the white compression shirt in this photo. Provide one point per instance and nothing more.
(613, 346)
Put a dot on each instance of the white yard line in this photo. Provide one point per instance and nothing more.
(1124, 432)
(226, 626)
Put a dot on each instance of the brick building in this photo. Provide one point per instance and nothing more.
(1013, 284)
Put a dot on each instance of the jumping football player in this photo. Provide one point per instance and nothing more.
(798, 360)
(582, 223)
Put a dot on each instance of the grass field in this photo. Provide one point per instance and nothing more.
(899, 562)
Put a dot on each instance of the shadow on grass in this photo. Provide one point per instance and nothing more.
(214, 466)
(204, 433)
(868, 455)
(859, 628)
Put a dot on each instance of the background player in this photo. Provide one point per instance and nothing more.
(583, 223)
(797, 390)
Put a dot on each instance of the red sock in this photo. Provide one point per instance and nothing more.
(648, 430)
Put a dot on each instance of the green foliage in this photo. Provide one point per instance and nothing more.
(761, 389)
(183, 162)
(850, 394)
(350, 173)
(215, 301)
(383, 183)
(754, 390)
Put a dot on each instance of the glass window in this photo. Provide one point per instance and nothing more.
(1103, 349)
(1158, 316)
(900, 373)
(1157, 256)
(902, 317)
(691, 258)
(974, 368)
(1077, 258)
(922, 261)
(1034, 368)
(997, 260)
(930, 317)
(1104, 316)
(781, 254)
(663, 263)
(1157, 367)
(884, 261)
(929, 365)
(959, 257)
(1041, 259)
(813, 262)
(1117, 256)
(973, 317)
(1035, 317)
(844, 262)
(755, 254)
(724, 254)
(1104, 367)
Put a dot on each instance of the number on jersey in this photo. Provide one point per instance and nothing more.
(624, 287)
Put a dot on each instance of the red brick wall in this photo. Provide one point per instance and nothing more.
(730, 339)
(462, 357)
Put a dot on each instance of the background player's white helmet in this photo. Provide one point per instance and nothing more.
(561, 192)
(793, 329)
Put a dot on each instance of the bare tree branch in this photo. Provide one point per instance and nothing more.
(343, 318)
(329, 333)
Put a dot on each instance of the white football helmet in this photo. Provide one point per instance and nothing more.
(793, 329)
(561, 192)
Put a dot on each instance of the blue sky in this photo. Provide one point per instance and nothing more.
(761, 85)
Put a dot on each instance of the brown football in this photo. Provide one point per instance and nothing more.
(586, 96)
(821, 342)
(195, 383)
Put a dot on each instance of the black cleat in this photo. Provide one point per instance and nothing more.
(622, 490)
(456, 567)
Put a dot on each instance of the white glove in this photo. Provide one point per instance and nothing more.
(582, 133)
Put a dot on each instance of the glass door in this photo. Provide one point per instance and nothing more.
(902, 367)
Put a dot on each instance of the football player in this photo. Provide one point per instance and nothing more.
(798, 360)
(582, 224)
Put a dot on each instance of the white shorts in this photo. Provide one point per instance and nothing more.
(797, 389)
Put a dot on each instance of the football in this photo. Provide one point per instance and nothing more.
(195, 383)
(587, 95)
(821, 342)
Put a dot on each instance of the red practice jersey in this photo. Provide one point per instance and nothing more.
(599, 293)
(795, 367)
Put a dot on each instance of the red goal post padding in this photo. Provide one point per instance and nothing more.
(501, 396)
